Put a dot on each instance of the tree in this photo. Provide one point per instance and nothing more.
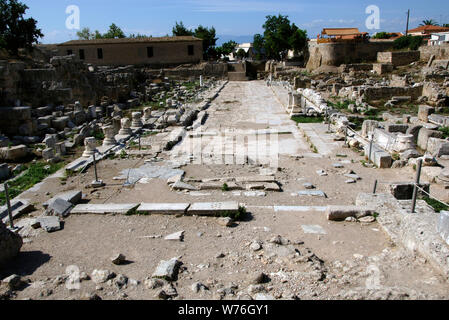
(259, 45)
(226, 48)
(428, 23)
(240, 54)
(382, 35)
(114, 32)
(179, 30)
(138, 36)
(279, 37)
(85, 34)
(15, 31)
(209, 41)
(446, 25)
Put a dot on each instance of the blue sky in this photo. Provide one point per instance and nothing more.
(233, 19)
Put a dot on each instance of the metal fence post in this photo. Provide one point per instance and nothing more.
(415, 188)
(95, 167)
(375, 187)
(8, 204)
(346, 135)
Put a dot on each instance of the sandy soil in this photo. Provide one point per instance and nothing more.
(351, 261)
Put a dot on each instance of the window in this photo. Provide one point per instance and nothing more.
(69, 52)
(190, 50)
(150, 52)
(82, 56)
(100, 53)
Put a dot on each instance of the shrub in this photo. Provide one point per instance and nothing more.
(410, 42)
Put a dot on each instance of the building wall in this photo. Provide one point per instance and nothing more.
(335, 54)
(136, 53)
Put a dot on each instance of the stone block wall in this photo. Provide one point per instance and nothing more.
(336, 54)
(398, 58)
(441, 52)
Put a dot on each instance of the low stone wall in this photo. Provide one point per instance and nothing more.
(335, 54)
(441, 52)
(379, 93)
(398, 58)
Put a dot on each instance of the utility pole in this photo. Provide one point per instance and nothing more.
(408, 19)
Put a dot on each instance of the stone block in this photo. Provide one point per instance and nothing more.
(443, 226)
(163, 208)
(13, 153)
(404, 190)
(438, 147)
(213, 208)
(340, 213)
(110, 208)
(425, 134)
(424, 112)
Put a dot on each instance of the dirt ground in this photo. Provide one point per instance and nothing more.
(351, 260)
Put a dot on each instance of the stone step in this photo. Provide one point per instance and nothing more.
(237, 76)
(213, 208)
(163, 208)
(106, 208)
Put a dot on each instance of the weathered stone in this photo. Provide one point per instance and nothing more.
(404, 190)
(49, 224)
(108, 208)
(59, 207)
(14, 282)
(437, 147)
(118, 259)
(424, 112)
(101, 276)
(167, 270)
(225, 222)
(10, 244)
(178, 236)
(13, 153)
(425, 134)
(340, 213)
(74, 197)
(213, 208)
(163, 208)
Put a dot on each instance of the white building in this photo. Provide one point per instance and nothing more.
(247, 47)
(439, 38)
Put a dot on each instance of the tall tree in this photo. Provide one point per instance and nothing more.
(259, 45)
(85, 34)
(114, 32)
(280, 36)
(180, 30)
(208, 35)
(16, 31)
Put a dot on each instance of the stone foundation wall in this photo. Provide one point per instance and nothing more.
(335, 54)
(398, 58)
(441, 52)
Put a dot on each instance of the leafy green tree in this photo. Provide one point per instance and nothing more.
(279, 37)
(180, 30)
(382, 35)
(85, 34)
(208, 35)
(430, 22)
(226, 48)
(410, 42)
(446, 25)
(240, 54)
(114, 32)
(258, 45)
(16, 31)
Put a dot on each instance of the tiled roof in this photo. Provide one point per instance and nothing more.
(129, 40)
(340, 31)
(428, 29)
